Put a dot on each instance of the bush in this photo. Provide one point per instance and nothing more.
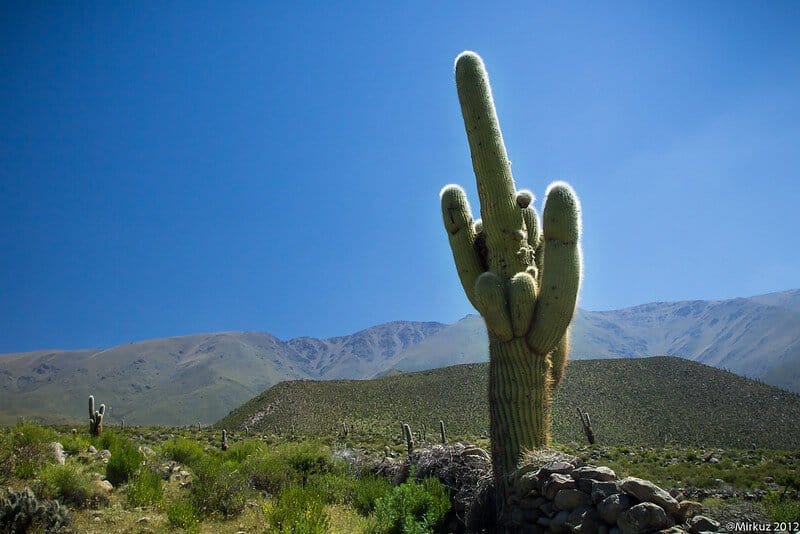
(367, 491)
(183, 514)
(125, 459)
(27, 450)
(74, 444)
(298, 510)
(289, 463)
(780, 507)
(184, 451)
(145, 488)
(21, 512)
(69, 484)
(218, 487)
(240, 451)
(411, 507)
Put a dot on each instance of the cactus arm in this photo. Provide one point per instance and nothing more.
(561, 269)
(462, 233)
(502, 218)
(91, 406)
(491, 299)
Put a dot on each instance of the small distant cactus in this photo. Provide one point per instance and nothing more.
(122, 423)
(441, 431)
(409, 438)
(95, 418)
(586, 423)
(224, 440)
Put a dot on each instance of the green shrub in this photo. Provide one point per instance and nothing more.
(183, 450)
(780, 507)
(367, 491)
(299, 510)
(411, 507)
(74, 444)
(242, 450)
(69, 484)
(183, 514)
(219, 487)
(334, 488)
(28, 450)
(125, 460)
(145, 488)
(289, 463)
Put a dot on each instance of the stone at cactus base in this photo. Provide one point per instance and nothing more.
(646, 491)
(643, 517)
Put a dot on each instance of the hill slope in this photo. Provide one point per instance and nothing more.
(185, 379)
(644, 401)
(757, 337)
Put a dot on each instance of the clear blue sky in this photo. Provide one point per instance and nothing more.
(198, 167)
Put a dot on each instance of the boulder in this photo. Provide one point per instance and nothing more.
(603, 474)
(612, 506)
(701, 523)
(643, 517)
(556, 483)
(570, 499)
(57, 451)
(646, 491)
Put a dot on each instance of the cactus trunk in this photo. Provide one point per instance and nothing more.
(519, 404)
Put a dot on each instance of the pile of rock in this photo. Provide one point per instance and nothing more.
(562, 495)
(551, 492)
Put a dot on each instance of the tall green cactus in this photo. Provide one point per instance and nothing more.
(524, 281)
(95, 418)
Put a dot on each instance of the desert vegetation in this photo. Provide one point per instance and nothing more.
(180, 479)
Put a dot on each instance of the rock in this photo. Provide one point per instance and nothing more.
(104, 485)
(184, 474)
(556, 483)
(144, 519)
(476, 452)
(57, 450)
(603, 474)
(91, 450)
(557, 467)
(701, 523)
(612, 506)
(688, 509)
(641, 518)
(570, 499)
(105, 454)
(147, 451)
(585, 521)
(646, 491)
(526, 484)
(601, 490)
(559, 523)
(672, 530)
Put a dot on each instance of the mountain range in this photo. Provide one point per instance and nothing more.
(200, 378)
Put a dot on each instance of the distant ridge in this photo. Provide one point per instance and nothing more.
(183, 380)
(644, 401)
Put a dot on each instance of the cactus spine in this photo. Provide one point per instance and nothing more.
(521, 276)
(95, 418)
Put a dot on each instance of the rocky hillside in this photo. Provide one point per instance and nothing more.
(187, 379)
(643, 401)
(758, 337)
